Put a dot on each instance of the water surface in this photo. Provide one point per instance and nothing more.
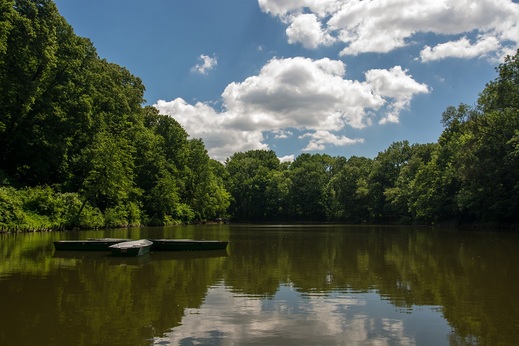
(275, 285)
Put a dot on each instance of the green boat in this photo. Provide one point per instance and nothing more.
(131, 248)
(187, 245)
(90, 244)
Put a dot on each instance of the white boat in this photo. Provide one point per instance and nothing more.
(131, 248)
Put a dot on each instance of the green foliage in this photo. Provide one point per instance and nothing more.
(399, 196)
(383, 177)
(310, 175)
(248, 182)
(203, 192)
(109, 167)
(483, 150)
(41, 208)
(43, 70)
(122, 215)
(75, 122)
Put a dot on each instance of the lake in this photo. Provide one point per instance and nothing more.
(274, 285)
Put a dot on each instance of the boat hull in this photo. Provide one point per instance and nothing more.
(131, 248)
(187, 245)
(101, 244)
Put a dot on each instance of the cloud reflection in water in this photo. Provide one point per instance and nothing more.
(291, 318)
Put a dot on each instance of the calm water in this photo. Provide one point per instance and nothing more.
(275, 285)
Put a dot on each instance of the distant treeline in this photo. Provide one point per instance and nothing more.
(79, 149)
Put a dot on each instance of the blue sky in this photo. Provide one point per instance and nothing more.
(342, 77)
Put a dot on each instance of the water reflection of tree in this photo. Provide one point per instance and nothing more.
(470, 277)
(103, 300)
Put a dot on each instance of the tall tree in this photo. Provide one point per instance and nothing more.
(487, 164)
(349, 186)
(28, 49)
(203, 193)
(248, 181)
(109, 181)
(309, 197)
(399, 196)
(277, 193)
(383, 175)
(162, 149)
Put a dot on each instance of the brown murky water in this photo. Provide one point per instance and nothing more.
(275, 285)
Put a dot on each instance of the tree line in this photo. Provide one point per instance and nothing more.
(78, 148)
(470, 175)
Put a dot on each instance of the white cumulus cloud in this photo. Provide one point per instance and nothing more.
(396, 85)
(205, 64)
(288, 158)
(382, 26)
(312, 96)
(300, 93)
(282, 7)
(462, 48)
(202, 121)
(306, 29)
(320, 139)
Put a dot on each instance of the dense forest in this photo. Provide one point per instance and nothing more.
(79, 149)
